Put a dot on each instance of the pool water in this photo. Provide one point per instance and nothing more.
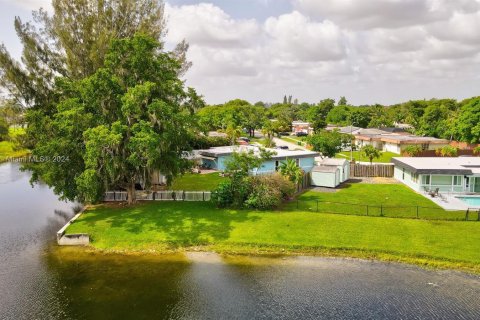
(472, 201)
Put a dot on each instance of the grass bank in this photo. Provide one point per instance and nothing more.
(167, 226)
(388, 200)
(8, 149)
(386, 156)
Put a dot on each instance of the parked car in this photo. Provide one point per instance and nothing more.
(301, 134)
(284, 134)
(283, 147)
(244, 139)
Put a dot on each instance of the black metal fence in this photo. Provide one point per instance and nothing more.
(411, 212)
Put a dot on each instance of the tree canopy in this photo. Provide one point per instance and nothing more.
(116, 127)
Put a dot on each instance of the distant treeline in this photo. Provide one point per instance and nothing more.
(442, 118)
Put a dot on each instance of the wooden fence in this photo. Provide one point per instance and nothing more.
(374, 170)
(113, 196)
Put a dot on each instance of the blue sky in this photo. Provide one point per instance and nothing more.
(371, 51)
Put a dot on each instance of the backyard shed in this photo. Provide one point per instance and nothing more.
(326, 176)
(342, 164)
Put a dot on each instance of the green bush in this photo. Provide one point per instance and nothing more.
(269, 191)
(412, 151)
(447, 151)
(222, 197)
(258, 192)
(204, 142)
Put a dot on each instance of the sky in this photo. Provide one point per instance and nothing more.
(371, 51)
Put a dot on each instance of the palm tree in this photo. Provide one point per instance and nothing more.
(291, 171)
(371, 152)
(233, 133)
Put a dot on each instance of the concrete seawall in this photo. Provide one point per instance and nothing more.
(78, 239)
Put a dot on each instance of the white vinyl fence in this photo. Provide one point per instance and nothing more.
(169, 195)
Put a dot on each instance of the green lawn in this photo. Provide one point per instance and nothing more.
(197, 182)
(389, 200)
(160, 226)
(294, 139)
(385, 157)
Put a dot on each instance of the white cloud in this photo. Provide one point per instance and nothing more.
(296, 37)
(206, 24)
(372, 51)
(385, 13)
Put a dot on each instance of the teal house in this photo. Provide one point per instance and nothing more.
(215, 158)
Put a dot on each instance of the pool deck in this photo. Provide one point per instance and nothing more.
(451, 201)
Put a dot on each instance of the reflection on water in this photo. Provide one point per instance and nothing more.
(39, 280)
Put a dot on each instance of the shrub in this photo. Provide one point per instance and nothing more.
(447, 151)
(476, 150)
(268, 191)
(222, 197)
(411, 151)
(205, 142)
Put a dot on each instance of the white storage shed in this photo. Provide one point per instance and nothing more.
(326, 176)
(342, 164)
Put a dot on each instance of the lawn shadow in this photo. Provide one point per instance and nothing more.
(191, 223)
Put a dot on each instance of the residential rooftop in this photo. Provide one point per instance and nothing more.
(440, 165)
(399, 138)
(278, 153)
(325, 169)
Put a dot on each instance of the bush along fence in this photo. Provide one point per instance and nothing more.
(374, 170)
(114, 196)
(406, 212)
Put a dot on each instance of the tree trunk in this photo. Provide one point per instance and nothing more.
(131, 194)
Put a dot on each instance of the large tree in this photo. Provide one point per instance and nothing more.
(468, 124)
(328, 143)
(72, 43)
(114, 128)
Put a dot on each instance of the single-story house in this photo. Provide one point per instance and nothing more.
(456, 175)
(330, 172)
(344, 130)
(396, 143)
(215, 158)
(302, 127)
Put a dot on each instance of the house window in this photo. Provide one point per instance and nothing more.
(457, 180)
(424, 146)
(277, 164)
(403, 173)
(415, 177)
(297, 161)
(426, 180)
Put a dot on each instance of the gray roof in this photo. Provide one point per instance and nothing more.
(278, 153)
(325, 169)
(440, 165)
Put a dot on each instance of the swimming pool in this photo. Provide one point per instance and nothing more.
(471, 201)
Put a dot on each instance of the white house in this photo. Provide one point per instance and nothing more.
(452, 175)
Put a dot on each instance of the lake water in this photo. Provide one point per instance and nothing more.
(38, 280)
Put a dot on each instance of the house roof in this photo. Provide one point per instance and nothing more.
(441, 165)
(278, 153)
(325, 169)
(399, 138)
(332, 162)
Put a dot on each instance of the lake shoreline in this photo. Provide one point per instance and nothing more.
(268, 251)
